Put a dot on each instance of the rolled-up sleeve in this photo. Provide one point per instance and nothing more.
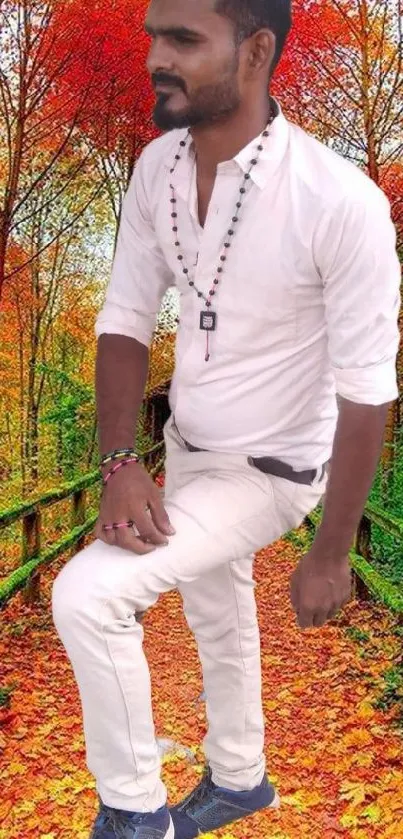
(361, 280)
(140, 275)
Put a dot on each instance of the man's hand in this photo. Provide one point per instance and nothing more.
(320, 588)
(131, 494)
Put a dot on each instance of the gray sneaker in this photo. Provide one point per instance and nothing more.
(111, 823)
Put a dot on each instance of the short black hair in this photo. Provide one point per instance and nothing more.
(248, 16)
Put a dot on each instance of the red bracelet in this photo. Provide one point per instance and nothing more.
(118, 466)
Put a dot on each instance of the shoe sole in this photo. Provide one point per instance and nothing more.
(171, 830)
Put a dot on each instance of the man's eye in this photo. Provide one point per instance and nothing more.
(184, 39)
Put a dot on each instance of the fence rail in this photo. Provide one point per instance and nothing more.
(367, 580)
(33, 558)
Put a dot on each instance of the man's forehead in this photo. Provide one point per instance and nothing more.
(193, 15)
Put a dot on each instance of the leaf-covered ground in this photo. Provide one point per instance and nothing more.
(336, 760)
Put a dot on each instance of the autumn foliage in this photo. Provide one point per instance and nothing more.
(75, 113)
(334, 756)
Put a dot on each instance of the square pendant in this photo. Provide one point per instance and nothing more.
(208, 321)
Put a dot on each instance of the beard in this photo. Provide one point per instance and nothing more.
(207, 105)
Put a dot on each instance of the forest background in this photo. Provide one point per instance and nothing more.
(75, 113)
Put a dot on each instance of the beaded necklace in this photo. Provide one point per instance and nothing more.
(208, 319)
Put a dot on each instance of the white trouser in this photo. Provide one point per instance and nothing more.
(223, 510)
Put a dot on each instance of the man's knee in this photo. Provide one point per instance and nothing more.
(71, 592)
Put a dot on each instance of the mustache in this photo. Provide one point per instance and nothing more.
(163, 78)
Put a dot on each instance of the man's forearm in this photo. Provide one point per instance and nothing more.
(120, 379)
(356, 452)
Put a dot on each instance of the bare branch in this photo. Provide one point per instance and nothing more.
(60, 233)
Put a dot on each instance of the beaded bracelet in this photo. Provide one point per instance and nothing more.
(118, 466)
(116, 453)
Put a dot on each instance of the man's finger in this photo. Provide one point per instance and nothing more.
(159, 515)
(320, 618)
(294, 593)
(147, 531)
(125, 537)
(107, 536)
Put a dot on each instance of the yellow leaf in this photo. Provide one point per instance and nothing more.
(358, 737)
(16, 769)
(353, 792)
(373, 813)
(365, 710)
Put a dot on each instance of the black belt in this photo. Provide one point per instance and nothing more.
(272, 466)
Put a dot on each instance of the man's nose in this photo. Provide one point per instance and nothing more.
(159, 57)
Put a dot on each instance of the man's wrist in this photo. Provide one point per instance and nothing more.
(106, 467)
(331, 548)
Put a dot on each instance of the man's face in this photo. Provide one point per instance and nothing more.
(193, 63)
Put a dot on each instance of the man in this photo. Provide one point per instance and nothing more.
(284, 256)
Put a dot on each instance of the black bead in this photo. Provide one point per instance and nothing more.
(260, 147)
(174, 215)
(230, 233)
(265, 133)
(242, 189)
(171, 170)
(247, 177)
(234, 218)
(239, 204)
(199, 294)
(179, 256)
(208, 304)
(219, 271)
(216, 281)
(223, 258)
(185, 270)
(177, 157)
(182, 143)
(177, 243)
(227, 245)
(211, 292)
(253, 162)
(175, 229)
(173, 200)
(191, 282)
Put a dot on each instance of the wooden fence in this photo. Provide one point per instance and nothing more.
(368, 582)
(33, 558)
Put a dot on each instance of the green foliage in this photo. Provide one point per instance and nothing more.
(71, 417)
(357, 634)
(387, 492)
(144, 440)
(5, 695)
(392, 694)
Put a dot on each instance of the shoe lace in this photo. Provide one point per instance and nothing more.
(121, 828)
(116, 820)
(107, 819)
(199, 792)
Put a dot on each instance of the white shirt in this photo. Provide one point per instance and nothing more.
(307, 304)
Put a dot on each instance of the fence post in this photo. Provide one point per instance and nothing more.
(363, 548)
(78, 503)
(31, 546)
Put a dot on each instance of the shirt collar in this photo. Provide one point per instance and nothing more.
(274, 148)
